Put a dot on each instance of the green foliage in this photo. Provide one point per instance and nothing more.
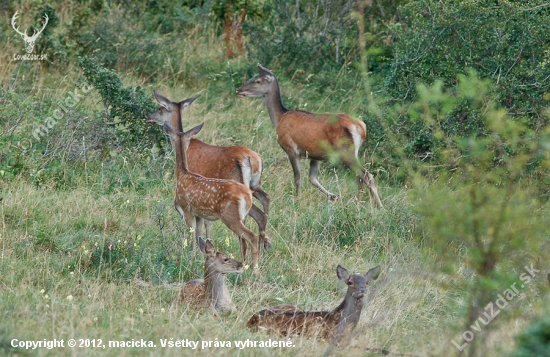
(223, 8)
(504, 42)
(89, 206)
(47, 42)
(486, 214)
(13, 112)
(138, 50)
(144, 39)
(312, 37)
(126, 106)
(535, 341)
(323, 44)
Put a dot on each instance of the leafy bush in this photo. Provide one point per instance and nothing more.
(535, 342)
(439, 40)
(126, 106)
(313, 36)
(143, 39)
(487, 218)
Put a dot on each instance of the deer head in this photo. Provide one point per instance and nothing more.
(261, 86)
(357, 283)
(29, 40)
(167, 110)
(182, 137)
(217, 262)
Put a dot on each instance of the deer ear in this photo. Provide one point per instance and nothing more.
(373, 273)
(266, 73)
(194, 131)
(187, 102)
(162, 100)
(209, 249)
(342, 273)
(170, 131)
(202, 245)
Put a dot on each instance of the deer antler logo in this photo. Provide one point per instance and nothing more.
(29, 41)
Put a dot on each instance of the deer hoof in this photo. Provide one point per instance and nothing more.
(265, 240)
(333, 197)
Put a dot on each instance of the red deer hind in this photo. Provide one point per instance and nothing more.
(303, 134)
(224, 162)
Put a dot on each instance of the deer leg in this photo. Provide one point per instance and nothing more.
(260, 218)
(368, 179)
(198, 228)
(295, 162)
(207, 228)
(243, 248)
(246, 236)
(365, 177)
(263, 197)
(187, 220)
(258, 191)
(313, 172)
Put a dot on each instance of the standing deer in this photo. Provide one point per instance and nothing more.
(29, 40)
(304, 134)
(211, 199)
(211, 291)
(223, 162)
(289, 320)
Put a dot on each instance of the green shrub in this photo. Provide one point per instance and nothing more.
(439, 40)
(535, 341)
(126, 106)
(298, 40)
(477, 210)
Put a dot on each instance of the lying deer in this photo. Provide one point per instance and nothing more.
(308, 135)
(289, 320)
(211, 199)
(223, 162)
(211, 291)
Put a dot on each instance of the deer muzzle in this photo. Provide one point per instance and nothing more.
(359, 293)
(241, 93)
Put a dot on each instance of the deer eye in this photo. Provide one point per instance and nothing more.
(349, 282)
(257, 81)
(226, 259)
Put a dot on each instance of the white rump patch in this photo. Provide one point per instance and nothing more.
(246, 171)
(357, 141)
(256, 177)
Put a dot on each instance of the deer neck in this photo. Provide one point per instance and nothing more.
(346, 315)
(176, 125)
(176, 119)
(274, 103)
(179, 147)
(216, 290)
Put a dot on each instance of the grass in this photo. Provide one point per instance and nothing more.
(97, 251)
(300, 270)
